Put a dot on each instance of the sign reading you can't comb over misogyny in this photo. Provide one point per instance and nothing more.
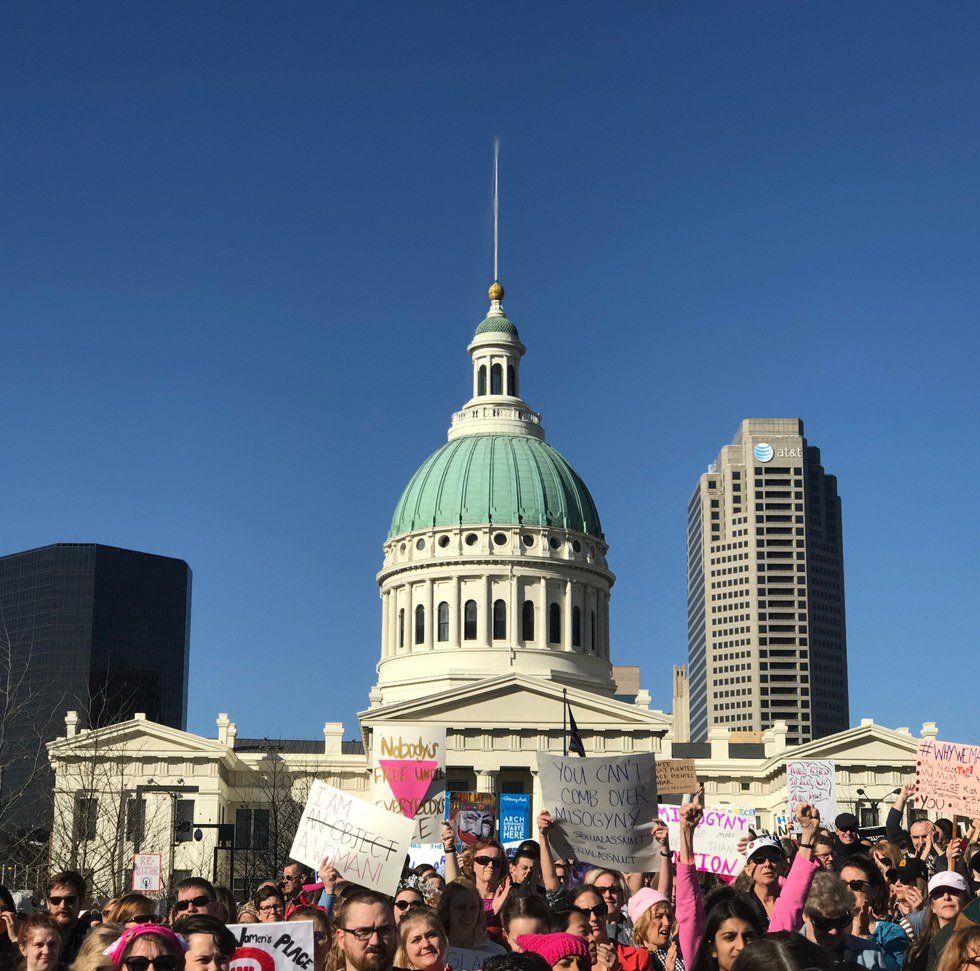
(604, 808)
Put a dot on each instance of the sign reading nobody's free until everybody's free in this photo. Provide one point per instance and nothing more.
(284, 946)
(604, 808)
(947, 778)
(365, 843)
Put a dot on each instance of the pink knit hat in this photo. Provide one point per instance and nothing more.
(642, 901)
(554, 947)
(114, 952)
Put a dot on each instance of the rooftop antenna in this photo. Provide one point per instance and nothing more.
(496, 208)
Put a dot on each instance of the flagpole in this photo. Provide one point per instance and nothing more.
(564, 718)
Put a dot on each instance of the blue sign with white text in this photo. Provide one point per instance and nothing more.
(514, 812)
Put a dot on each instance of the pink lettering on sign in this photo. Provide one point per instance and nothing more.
(409, 782)
(947, 778)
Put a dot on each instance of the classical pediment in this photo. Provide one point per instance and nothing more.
(136, 738)
(867, 744)
(518, 701)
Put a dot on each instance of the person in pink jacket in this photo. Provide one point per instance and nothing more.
(786, 913)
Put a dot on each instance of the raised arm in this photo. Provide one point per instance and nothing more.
(690, 908)
(449, 845)
(665, 879)
(893, 823)
(549, 877)
(787, 912)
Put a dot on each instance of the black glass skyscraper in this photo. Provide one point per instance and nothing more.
(100, 630)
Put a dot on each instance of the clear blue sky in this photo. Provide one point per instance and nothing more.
(243, 247)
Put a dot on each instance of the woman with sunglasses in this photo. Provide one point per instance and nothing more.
(785, 913)
(962, 951)
(588, 900)
(129, 909)
(463, 915)
(870, 930)
(422, 941)
(485, 864)
(949, 893)
(405, 897)
(321, 932)
(146, 946)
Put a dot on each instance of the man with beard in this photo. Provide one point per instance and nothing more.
(366, 933)
(65, 895)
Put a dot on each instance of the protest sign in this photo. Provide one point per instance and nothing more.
(604, 808)
(273, 947)
(408, 774)
(947, 778)
(715, 839)
(472, 816)
(813, 781)
(514, 809)
(464, 959)
(676, 777)
(146, 872)
(432, 853)
(365, 843)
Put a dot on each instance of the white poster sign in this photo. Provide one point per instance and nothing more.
(463, 959)
(715, 839)
(146, 872)
(365, 843)
(408, 775)
(604, 808)
(273, 947)
(813, 781)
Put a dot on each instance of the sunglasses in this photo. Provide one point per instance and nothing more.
(320, 937)
(141, 919)
(599, 910)
(405, 904)
(859, 885)
(941, 892)
(163, 962)
(73, 899)
(772, 858)
(830, 923)
(201, 901)
(489, 860)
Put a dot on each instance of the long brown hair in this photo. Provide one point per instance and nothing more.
(459, 888)
(958, 946)
(466, 863)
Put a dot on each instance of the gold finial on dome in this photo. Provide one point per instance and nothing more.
(496, 291)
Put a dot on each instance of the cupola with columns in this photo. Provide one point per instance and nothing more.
(495, 559)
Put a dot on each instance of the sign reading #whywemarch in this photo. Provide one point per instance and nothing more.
(365, 843)
(604, 807)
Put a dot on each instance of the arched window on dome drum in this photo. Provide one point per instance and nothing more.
(527, 621)
(554, 624)
(511, 380)
(496, 379)
(576, 627)
(444, 621)
(419, 624)
(401, 627)
(592, 629)
(499, 620)
(481, 380)
(469, 620)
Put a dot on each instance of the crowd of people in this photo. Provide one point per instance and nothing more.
(824, 899)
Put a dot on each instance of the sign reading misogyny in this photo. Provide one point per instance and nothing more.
(408, 775)
(716, 838)
(604, 808)
(947, 778)
(365, 843)
(812, 782)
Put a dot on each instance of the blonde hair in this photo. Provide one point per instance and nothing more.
(890, 850)
(958, 946)
(414, 917)
(597, 872)
(642, 926)
(90, 956)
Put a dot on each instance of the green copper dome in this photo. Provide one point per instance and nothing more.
(499, 479)
(496, 324)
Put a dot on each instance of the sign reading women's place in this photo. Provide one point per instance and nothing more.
(365, 843)
(273, 947)
(408, 775)
(715, 839)
(947, 778)
(604, 808)
(814, 782)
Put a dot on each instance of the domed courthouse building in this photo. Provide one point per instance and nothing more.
(495, 604)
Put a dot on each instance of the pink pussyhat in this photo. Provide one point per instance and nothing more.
(554, 947)
(642, 901)
(114, 952)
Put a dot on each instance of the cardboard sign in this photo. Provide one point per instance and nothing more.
(273, 947)
(472, 816)
(432, 853)
(463, 959)
(365, 843)
(604, 808)
(146, 872)
(676, 777)
(947, 778)
(408, 775)
(515, 816)
(715, 839)
(813, 781)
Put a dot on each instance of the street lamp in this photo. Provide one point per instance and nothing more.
(876, 802)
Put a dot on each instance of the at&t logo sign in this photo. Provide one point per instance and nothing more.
(763, 452)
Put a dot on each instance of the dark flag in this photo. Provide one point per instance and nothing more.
(574, 736)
